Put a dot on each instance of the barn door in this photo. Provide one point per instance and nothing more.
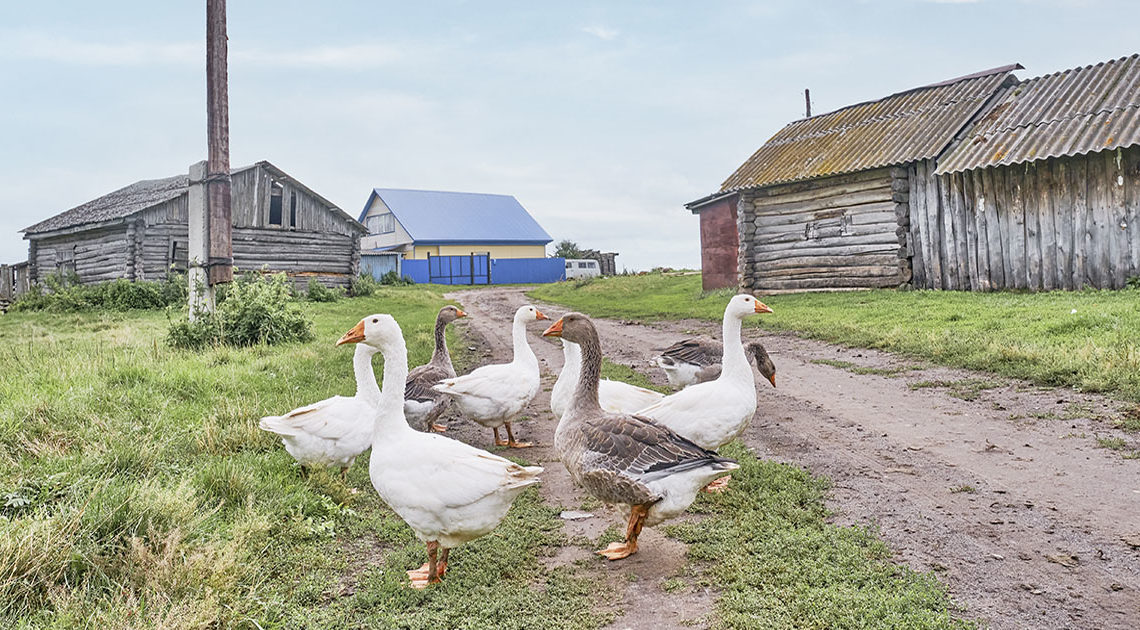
(467, 269)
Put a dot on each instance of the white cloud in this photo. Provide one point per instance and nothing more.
(602, 32)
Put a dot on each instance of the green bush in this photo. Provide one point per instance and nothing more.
(256, 309)
(392, 278)
(64, 293)
(317, 292)
(363, 285)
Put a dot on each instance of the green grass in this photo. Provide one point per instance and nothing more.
(766, 544)
(137, 491)
(1034, 336)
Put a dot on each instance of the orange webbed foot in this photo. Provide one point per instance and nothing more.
(618, 550)
(718, 486)
(439, 428)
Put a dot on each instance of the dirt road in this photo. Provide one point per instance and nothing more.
(999, 487)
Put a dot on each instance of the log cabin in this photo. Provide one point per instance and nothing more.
(140, 232)
(982, 182)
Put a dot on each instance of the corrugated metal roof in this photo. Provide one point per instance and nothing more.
(1072, 112)
(912, 125)
(432, 216)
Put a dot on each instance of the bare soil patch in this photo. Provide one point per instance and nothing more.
(1002, 488)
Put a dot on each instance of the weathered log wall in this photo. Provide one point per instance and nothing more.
(1063, 223)
(835, 232)
(94, 255)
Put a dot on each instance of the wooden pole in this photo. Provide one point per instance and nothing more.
(220, 247)
(807, 102)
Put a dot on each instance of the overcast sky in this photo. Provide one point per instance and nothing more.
(602, 118)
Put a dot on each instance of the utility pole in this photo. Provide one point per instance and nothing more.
(211, 240)
(807, 102)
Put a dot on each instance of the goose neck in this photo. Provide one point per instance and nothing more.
(522, 351)
(589, 373)
(440, 355)
(390, 410)
(734, 363)
(366, 386)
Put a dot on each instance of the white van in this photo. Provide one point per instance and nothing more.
(582, 268)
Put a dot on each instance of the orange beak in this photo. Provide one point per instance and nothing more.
(762, 307)
(772, 378)
(539, 315)
(356, 335)
(460, 313)
(555, 329)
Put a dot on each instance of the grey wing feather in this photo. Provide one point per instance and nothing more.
(623, 453)
(694, 351)
(420, 381)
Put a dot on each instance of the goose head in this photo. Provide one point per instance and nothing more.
(450, 313)
(573, 327)
(378, 332)
(743, 305)
(528, 313)
(763, 361)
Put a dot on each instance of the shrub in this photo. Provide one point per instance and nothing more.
(363, 285)
(392, 278)
(256, 309)
(64, 293)
(317, 292)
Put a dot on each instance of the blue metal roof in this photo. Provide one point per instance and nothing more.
(432, 216)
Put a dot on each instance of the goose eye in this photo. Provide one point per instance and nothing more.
(374, 320)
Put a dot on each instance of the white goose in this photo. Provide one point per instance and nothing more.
(448, 492)
(335, 430)
(495, 394)
(712, 413)
(614, 396)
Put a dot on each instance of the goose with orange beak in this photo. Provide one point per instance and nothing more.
(447, 492)
(494, 395)
(626, 459)
(713, 413)
(335, 430)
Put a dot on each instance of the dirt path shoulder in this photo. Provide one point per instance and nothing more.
(999, 487)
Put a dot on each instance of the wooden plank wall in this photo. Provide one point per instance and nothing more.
(837, 232)
(1065, 223)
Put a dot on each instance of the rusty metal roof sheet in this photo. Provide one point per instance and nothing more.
(912, 125)
(1077, 111)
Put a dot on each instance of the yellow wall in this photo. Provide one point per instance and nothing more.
(496, 251)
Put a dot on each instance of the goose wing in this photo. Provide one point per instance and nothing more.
(624, 453)
(420, 381)
(331, 418)
(694, 351)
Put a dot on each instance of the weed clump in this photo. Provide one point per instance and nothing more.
(317, 292)
(257, 309)
(65, 293)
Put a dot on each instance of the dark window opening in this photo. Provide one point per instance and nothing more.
(177, 259)
(293, 209)
(275, 204)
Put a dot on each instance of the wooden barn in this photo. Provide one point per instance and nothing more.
(981, 182)
(140, 232)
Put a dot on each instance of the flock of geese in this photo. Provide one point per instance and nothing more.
(642, 451)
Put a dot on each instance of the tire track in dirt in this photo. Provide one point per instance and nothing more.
(1032, 538)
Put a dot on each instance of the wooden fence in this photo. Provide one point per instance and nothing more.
(1062, 223)
(13, 282)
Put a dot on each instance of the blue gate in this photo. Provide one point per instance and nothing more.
(468, 269)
